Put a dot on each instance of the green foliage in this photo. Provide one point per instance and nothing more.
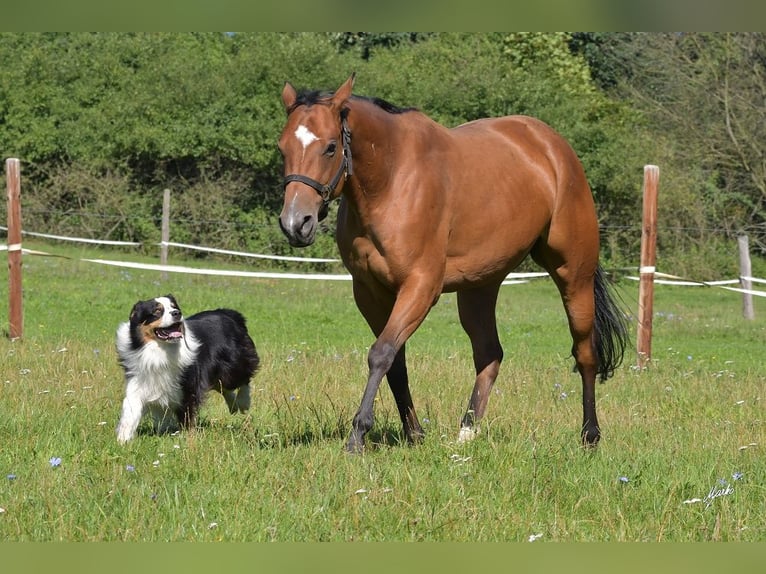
(531, 51)
(367, 43)
(702, 96)
(608, 54)
(200, 114)
(76, 202)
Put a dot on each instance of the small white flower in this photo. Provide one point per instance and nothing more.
(533, 537)
(456, 458)
(212, 525)
(692, 500)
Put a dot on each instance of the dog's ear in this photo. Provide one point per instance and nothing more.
(172, 299)
(134, 312)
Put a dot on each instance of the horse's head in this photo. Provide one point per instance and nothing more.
(317, 158)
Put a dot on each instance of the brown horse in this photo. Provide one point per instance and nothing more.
(425, 210)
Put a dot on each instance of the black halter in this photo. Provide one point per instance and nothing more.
(345, 168)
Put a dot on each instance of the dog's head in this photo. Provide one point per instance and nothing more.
(159, 319)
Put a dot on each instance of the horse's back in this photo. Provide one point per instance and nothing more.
(525, 157)
(524, 135)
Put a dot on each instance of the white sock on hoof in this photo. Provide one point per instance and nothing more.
(467, 433)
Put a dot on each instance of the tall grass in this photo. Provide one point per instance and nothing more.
(690, 423)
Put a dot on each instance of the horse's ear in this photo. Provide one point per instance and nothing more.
(344, 92)
(288, 95)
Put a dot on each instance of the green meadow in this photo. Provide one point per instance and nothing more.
(681, 458)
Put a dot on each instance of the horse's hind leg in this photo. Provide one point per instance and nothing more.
(476, 308)
(580, 306)
(575, 281)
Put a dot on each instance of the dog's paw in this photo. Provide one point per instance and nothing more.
(123, 437)
(242, 402)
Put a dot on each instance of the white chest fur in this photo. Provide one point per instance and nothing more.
(151, 376)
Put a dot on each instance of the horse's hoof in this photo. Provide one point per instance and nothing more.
(416, 438)
(590, 438)
(354, 447)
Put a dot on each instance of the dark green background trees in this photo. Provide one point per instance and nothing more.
(104, 122)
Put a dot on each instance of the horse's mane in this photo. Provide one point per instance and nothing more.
(386, 105)
(311, 97)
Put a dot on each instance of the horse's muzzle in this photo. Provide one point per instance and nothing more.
(299, 228)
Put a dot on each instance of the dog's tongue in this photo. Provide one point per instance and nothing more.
(172, 332)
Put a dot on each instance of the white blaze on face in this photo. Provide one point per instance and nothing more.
(167, 305)
(305, 136)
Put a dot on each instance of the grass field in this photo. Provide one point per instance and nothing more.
(688, 427)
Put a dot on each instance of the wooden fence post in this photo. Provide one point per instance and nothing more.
(165, 231)
(748, 312)
(15, 305)
(647, 269)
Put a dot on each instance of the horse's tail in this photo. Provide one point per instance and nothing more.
(611, 327)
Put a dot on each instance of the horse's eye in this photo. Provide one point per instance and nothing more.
(331, 147)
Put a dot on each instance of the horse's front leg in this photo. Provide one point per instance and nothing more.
(398, 380)
(379, 360)
(410, 307)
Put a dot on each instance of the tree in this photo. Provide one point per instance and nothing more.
(705, 92)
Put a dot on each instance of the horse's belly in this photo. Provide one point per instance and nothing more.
(476, 271)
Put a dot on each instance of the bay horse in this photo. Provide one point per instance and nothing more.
(427, 209)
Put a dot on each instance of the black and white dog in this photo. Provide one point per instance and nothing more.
(171, 362)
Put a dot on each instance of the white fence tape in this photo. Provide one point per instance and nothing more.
(181, 245)
(221, 272)
(748, 291)
(266, 274)
(722, 284)
(245, 254)
(511, 279)
(76, 239)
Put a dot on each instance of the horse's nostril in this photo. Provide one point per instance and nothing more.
(298, 228)
(308, 224)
